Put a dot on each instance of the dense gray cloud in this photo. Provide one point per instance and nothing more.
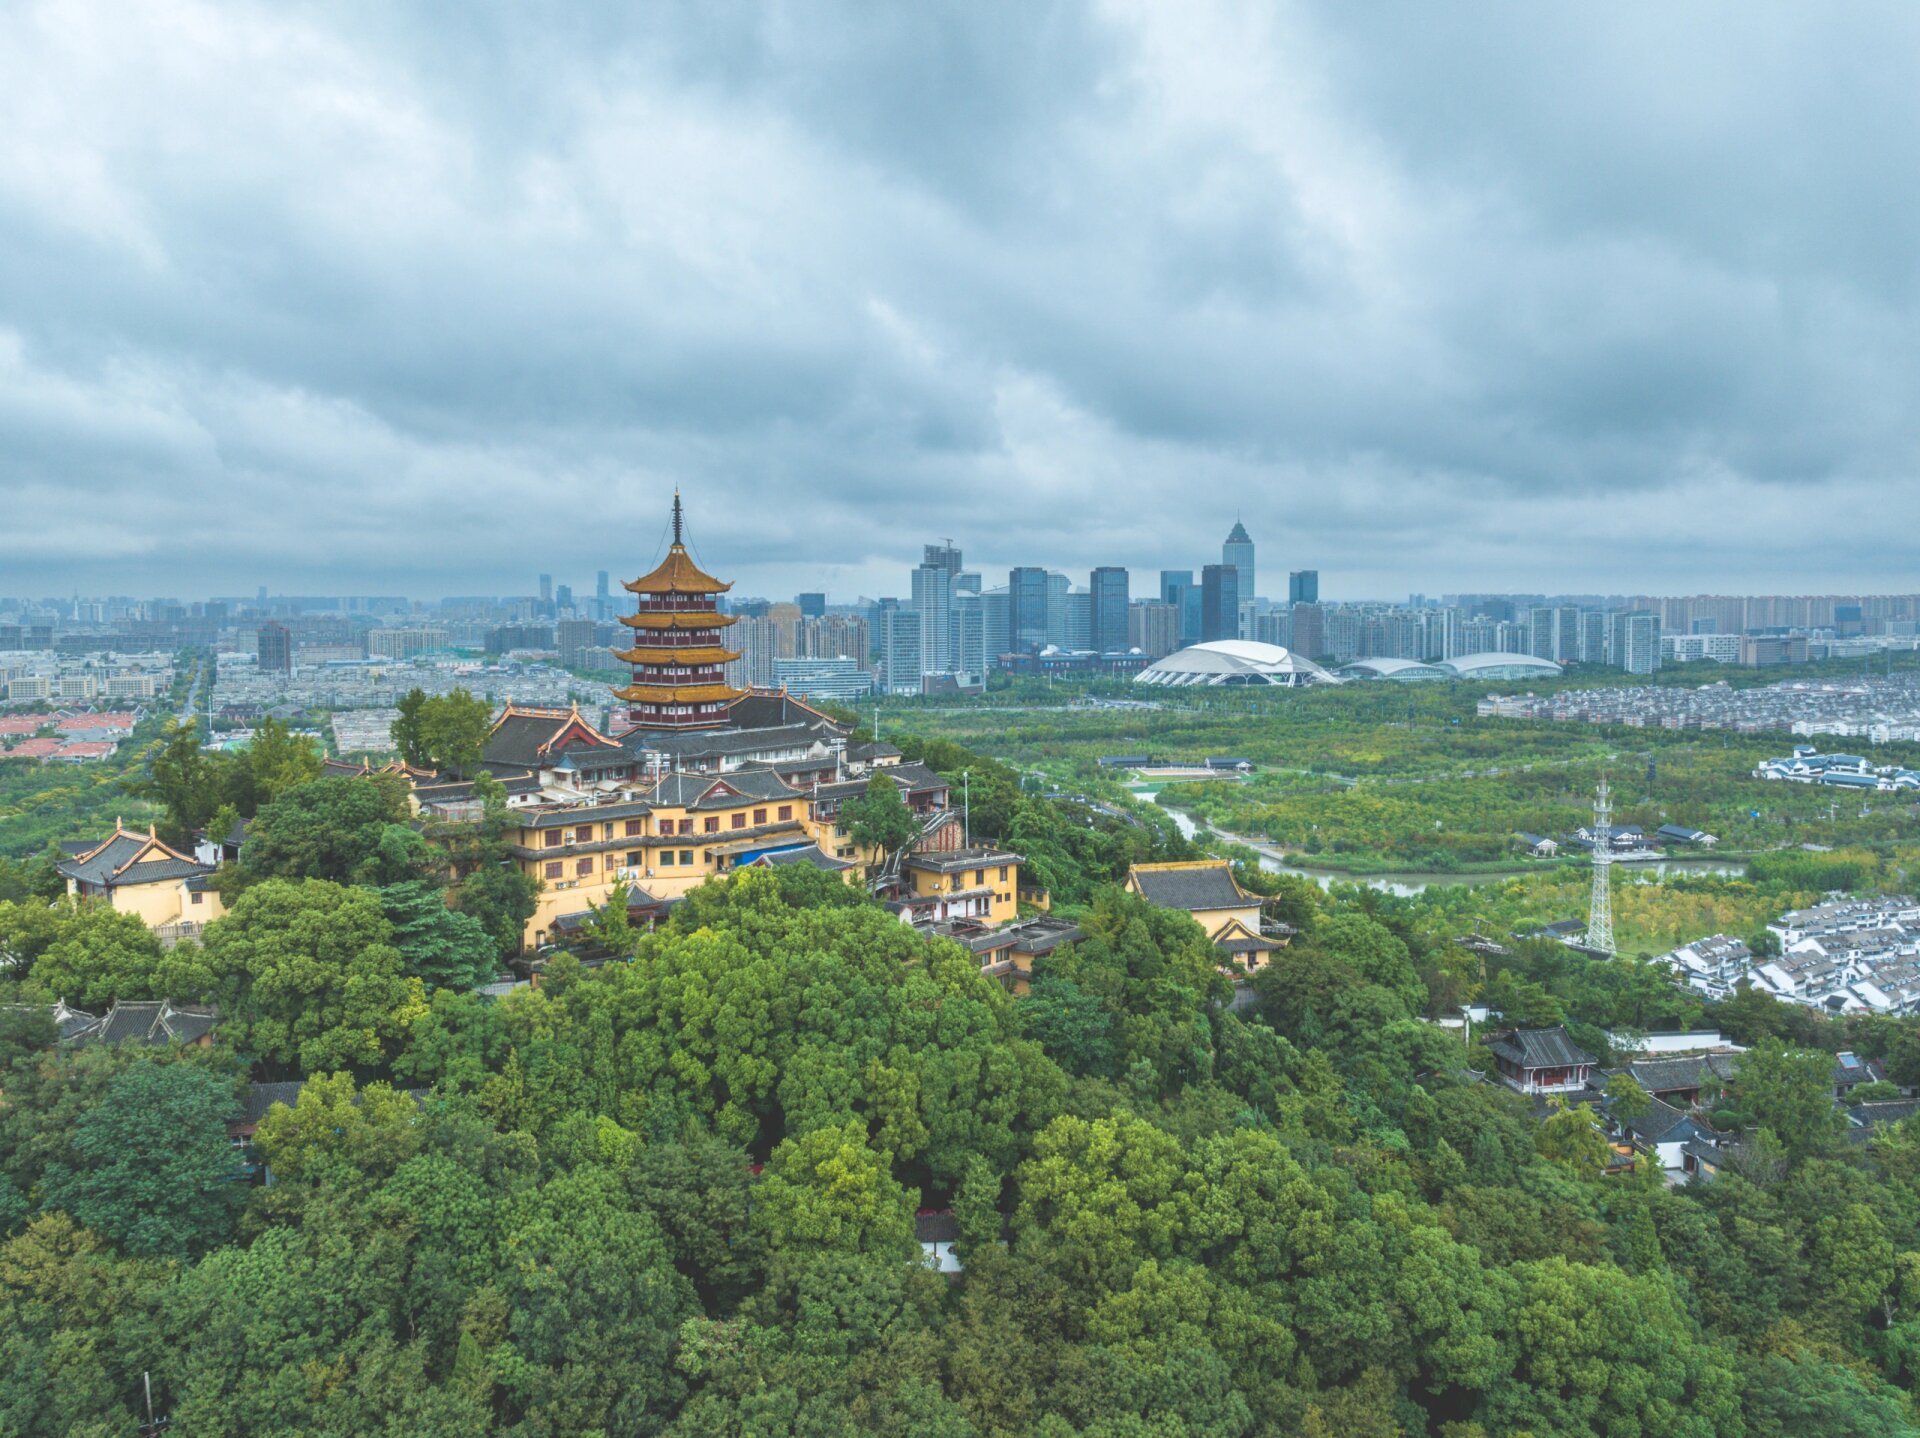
(428, 298)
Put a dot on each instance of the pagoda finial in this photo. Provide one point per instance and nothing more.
(676, 516)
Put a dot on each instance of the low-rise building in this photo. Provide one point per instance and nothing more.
(135, 873)
(1206, 889)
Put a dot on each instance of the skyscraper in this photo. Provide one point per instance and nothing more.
(813, 605)
(1303, 586)
(1108, 586)
(1178, 589)
(934, 583)
(1238, 552)
(602, 599)
(1058, 624)
(1027, 609)
(901, 664)
(276, 649)
(1219, 603)
(546, 593)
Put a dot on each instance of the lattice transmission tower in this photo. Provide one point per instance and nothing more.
(1600, 913)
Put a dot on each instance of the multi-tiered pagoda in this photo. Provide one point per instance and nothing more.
(679, 680)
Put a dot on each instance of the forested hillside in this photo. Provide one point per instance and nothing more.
(678, 1195)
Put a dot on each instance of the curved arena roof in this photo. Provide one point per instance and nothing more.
(1404, 670)
(1501, 666)
(1235, 662)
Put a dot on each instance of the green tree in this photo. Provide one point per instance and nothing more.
(409, 732)
(327, 829)
(186, 780)
(1629, 1101)
(699, 1190)
(274, 761)
(827, 1191)
(91, 954)
(1571, 1136)
(976, 1207)
(309, 977)
(440, 946)
(878, 819)
(453, 730)
(151, 1167)
(1789, 1091)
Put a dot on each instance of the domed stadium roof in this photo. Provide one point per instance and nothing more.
(1237, 662)
(1502, 666)
(1404, 670)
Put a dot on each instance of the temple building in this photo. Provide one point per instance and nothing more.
(677, 657)
(693, 779)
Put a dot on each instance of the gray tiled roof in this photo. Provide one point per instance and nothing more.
(1540, 1049)
(105, 866)
(952, 860)
(153, 1021)
(688, 791)
(1207, 886)
(1673, 1075)
(716, 742)
(809, 855)
(518, 737)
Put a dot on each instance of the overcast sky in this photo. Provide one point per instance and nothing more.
(427, 299)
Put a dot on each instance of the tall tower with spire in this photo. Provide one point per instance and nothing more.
(1600, 913)
(1238, 552)
(679, 679)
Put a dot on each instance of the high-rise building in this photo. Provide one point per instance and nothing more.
(1077, 631)
(1219, 603)
(813, 606)
(1275, 627)
(602, 597)
(996, 624)
(403, 643)
(1635, 641)
(546, 594)
(901, 663)
(1303, 586)
(1238, 552)
(933, 601)
(677, 657)
(934, 583)
(563, 597)
(967, 643)
(1058, 587)
(1153, 627)
(577, 640)
(1178, 589)
(1027, 609)
(1309, 630)
(1107, 587)
(823, 678)
(276, 649)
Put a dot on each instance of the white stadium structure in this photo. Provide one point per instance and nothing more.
(1235, 663)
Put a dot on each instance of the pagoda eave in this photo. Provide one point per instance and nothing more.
(705, 654)
(687, 621)
(679, 694)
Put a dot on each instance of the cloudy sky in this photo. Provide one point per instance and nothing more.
(425, 299)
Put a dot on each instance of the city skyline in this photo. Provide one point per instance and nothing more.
(350, 301)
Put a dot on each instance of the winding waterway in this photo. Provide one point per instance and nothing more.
(1412, 882)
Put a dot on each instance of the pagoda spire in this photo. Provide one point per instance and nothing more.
(676, 516)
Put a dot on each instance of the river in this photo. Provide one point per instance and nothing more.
(1410, 882)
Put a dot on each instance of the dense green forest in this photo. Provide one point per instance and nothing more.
(676, 1194)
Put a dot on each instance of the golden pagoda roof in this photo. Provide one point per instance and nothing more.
(678, 619)
(679, 693)
(677, 574)
(693, 654)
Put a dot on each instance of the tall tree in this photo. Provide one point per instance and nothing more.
(188, 781)
(453, 730)
(327, 829)
(151, 1167)
(408, 732)
(879, 819)
(442, 947)
(309, 977)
